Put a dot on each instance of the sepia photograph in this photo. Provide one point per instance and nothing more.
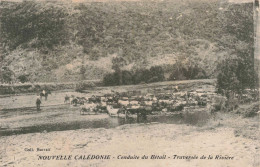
(132, 83)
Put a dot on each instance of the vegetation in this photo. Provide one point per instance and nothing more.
(47, 40)
(237, 72)
(182, 72)
(118, 77)
(6, 75)
(84, 85)
(23, 78)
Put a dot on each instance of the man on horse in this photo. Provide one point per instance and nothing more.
(45, 94)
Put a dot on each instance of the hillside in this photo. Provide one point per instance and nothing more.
(52, 41)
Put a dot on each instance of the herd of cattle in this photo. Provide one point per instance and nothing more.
(160, 100)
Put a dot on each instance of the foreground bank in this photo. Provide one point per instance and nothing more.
(230, 141)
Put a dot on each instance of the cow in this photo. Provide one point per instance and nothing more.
(123, 102)
(78, 100)
(88, 107)
(113, 111)
(94, 99)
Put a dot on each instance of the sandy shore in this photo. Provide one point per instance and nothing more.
(231, 135)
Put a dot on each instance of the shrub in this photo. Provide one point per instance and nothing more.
(23, 78)
(84, 85)
(252, 111)
(110, 79)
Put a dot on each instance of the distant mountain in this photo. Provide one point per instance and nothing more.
(53, 41)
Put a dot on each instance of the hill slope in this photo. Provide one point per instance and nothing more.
(52, 41)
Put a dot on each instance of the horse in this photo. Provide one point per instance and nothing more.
(45, 94)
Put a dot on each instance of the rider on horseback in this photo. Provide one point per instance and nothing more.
(43, 92)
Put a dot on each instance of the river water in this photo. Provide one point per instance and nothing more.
(18, 116)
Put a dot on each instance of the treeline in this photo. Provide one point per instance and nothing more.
(237, 74)
(154, 74)
(125, 77)
(185, 72)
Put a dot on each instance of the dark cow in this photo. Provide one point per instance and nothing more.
(78, 100)
(94, 99)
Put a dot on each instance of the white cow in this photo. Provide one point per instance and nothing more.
(166, 101)
(88, 107)
(123, 102)
(134, 102)
(112, 111)
(148, 103)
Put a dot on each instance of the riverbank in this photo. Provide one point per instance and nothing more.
(94, 85)
(18, 88)
(219, 137)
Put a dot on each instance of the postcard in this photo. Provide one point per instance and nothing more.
(133, 83)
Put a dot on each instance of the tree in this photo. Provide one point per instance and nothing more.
(118, 62)
(110, 79)
(156, 73)
(6, 75)
(177, 72)
(235, 76)
(23, 78)
(227, 80)
(141, 75)
(127, 78)
(82, 72)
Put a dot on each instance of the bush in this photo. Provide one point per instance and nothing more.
(154, 74)
(23, 78)
(127, 78)
(181, 72)
(6, 75)
(84, 85)
(141, 75)
(252, 111)
(110, 79)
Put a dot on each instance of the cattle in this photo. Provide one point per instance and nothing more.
(166, 101)
(148, 103)
(101, 108)
(113, 111)
(123, 102)
(133, 102)
(144, 104)
(164, 110)
(88, 107)
(78, 100)
(94, 99)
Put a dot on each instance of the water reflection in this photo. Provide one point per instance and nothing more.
(194, 118)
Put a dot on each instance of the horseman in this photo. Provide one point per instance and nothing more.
(45, 94)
